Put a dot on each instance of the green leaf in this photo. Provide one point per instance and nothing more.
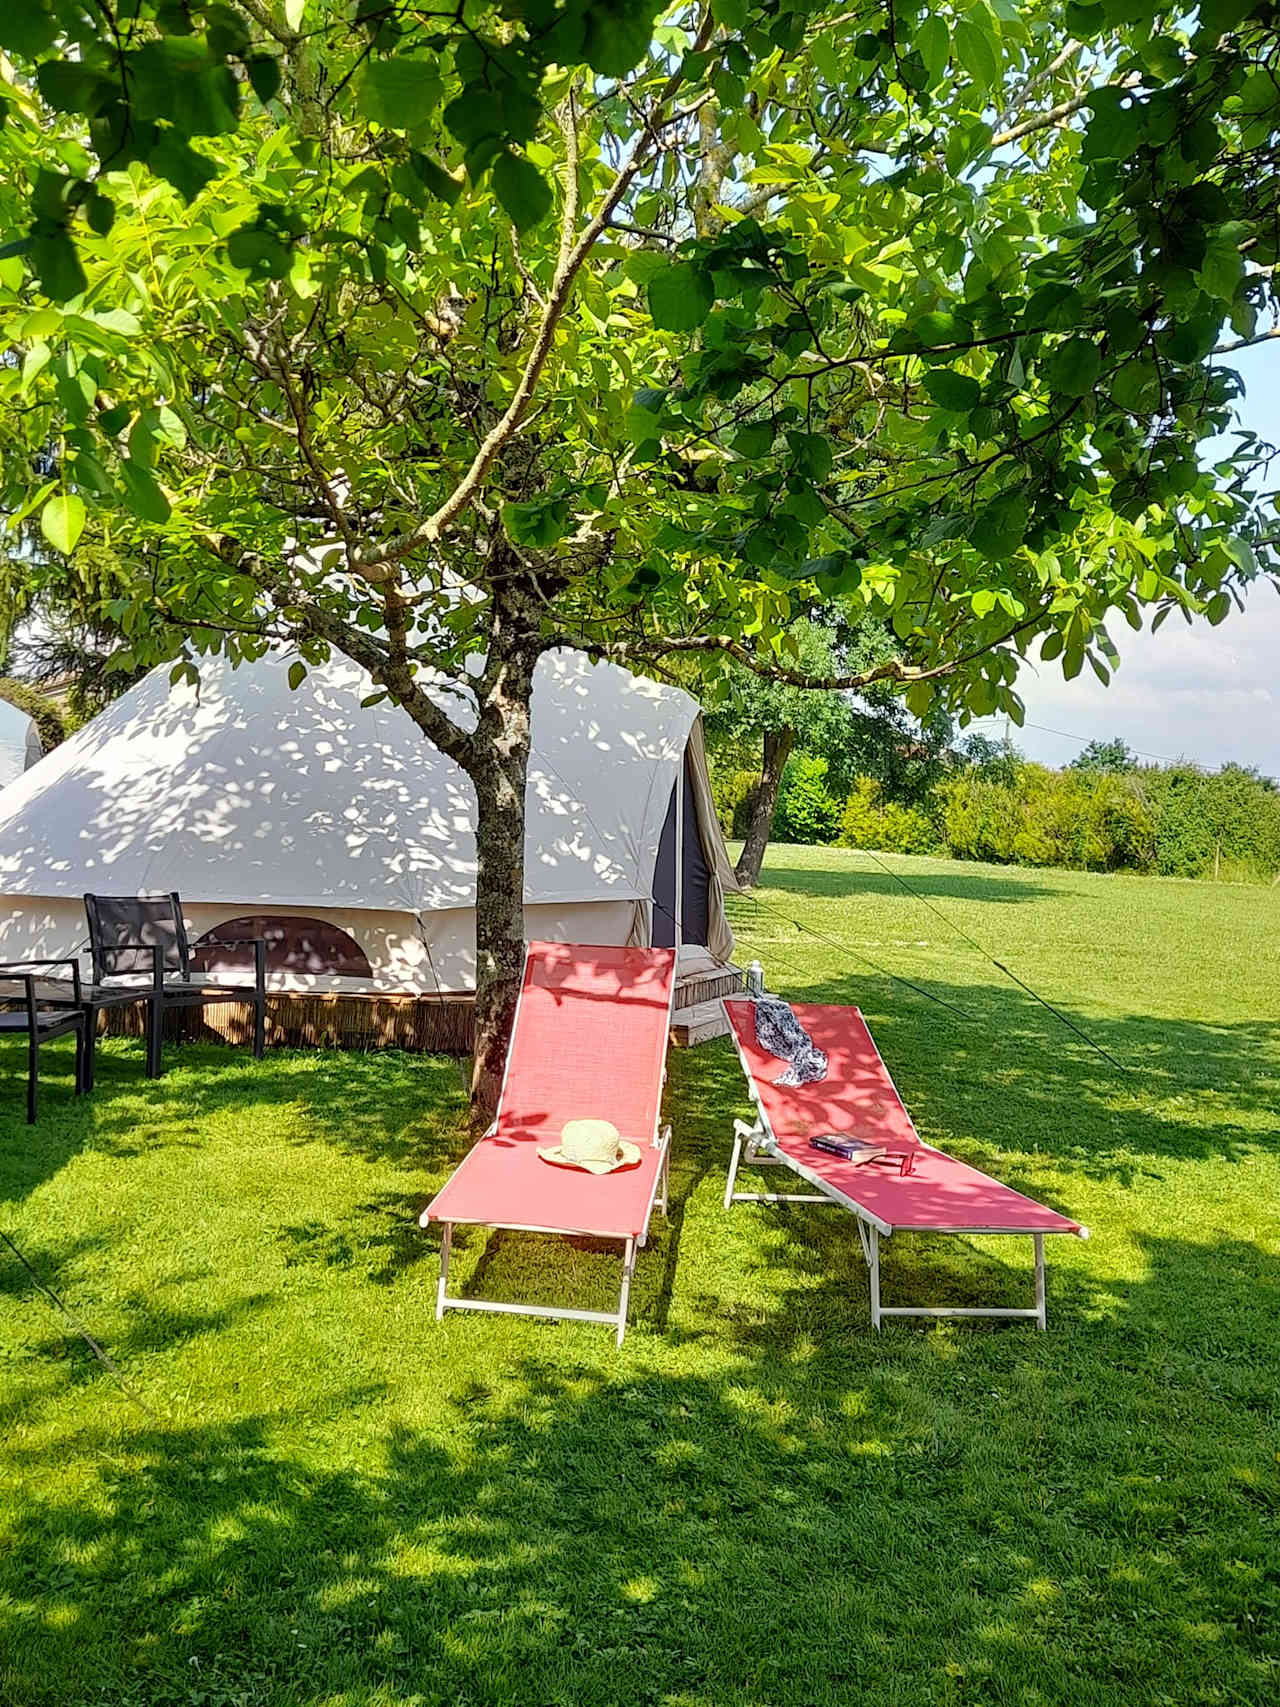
(398, 93)
(101, 213)
(440, 183)
(176, 79)
(1221, 269)
(932, 330)
(998, 531)
(524, 193)
(142, 492)
(57, 266)
(538, 524)
(68, 86)
(62, 521)
(680, 297)
(264, 76)
(618, 33)
(978, 52)
(933, 43)
(297, 674)
(294, 11)
(753, 440)
(179, 164)
(952, 390)
(813, 454)
(1072, 369)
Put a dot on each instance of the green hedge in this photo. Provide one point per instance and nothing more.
(1176, 822)
(43, 713)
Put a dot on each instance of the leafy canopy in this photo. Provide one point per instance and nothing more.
(683, 324)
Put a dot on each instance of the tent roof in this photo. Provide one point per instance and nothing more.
(247, 791)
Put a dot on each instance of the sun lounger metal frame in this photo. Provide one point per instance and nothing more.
(755, 1145)
(616, 1319)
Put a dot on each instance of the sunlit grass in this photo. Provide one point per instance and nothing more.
(336, 1501)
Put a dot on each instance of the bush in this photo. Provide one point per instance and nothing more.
(807, 811)
(43, 713)
(870, 821)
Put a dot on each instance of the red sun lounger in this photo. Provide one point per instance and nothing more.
(913, 1188)
(589, 1041)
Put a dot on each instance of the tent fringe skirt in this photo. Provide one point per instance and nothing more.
(430, 1025)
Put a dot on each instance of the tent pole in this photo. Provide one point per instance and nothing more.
(679, 909)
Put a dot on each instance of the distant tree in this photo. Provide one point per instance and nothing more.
(993, 761)
(1109, 756)
(775, 718)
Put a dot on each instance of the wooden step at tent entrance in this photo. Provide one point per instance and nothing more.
(701, 984)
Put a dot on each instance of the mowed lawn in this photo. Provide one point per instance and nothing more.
(757, 1500)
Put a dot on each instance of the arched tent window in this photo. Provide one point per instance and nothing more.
(303, 946)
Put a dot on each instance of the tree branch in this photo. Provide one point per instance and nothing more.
(386, 665)
(572, 258)
(1245, 343)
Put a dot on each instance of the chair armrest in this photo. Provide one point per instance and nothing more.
(259, 946)
(28, 982)
(58, 960)
(155, 950)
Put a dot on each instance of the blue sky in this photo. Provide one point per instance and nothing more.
(1206, 694)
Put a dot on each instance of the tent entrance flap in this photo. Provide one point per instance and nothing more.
(689, 898)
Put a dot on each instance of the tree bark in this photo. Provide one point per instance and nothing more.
(499, 772)
(777, 750)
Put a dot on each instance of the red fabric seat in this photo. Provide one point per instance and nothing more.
(590, 1041)
(859, 1098)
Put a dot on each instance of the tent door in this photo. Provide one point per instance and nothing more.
(685, 891)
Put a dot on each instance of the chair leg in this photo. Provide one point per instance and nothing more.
(259, 1029)
(33, 1076)
(80, 1053)
(628, 1269)
(873, 1266)
(155, 1026)
(90, 1045)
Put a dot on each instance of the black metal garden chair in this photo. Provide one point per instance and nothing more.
(44, 1006)
(140, 953)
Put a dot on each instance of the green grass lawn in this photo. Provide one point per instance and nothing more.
(757, 1500)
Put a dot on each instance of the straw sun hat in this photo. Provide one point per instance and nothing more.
(593, 1145)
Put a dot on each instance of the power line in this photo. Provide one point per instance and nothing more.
(998, 964)
(108, 1363)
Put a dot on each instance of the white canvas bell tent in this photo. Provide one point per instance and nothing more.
(19, 742)
(339, 833)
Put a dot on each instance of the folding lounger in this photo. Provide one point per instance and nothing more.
(912, 1189)
(589, 1041)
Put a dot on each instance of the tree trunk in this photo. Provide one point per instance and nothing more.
(777, 750)
(499, 774)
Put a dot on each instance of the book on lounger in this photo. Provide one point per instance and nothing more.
(848, 1149)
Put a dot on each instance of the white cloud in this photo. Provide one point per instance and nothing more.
(1207, 694)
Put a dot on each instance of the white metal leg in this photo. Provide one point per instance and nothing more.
(1038, 1314)
(1041, 1313)
(738, 1130)
(616, 1319)
(748, 1149)
(446, 1247)
(628, 1269)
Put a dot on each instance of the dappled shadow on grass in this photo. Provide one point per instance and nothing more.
(865, 877)
(1013, 1082)
(925, 1516)
(388, 1107)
